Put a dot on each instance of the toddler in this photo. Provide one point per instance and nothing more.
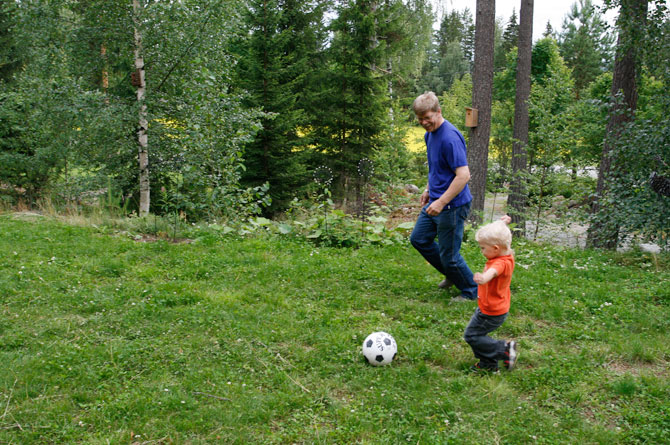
(493, 290)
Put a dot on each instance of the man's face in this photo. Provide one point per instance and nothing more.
(430, 120)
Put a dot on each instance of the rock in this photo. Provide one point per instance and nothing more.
(411, 188)
(651, 248)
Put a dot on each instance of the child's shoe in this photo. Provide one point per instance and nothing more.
(511, 355)
(483, 369)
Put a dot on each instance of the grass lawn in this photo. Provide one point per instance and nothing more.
(414, 139)
(107, 340)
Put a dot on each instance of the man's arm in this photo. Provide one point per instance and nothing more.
(456, 187)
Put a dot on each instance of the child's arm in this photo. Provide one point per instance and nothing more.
(506, 219)
(486, 276)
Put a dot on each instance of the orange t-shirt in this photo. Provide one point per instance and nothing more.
(494, 296)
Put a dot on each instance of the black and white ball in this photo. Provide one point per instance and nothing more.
(379, 348)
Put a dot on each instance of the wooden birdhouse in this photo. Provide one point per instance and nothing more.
(471, 115)
(135, 79)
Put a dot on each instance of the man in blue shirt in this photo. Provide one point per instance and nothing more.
(446, 201)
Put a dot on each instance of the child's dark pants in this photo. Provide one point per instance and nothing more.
(485, 348)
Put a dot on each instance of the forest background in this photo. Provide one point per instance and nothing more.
(266, 110)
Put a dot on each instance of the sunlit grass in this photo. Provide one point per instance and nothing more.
(414, 139)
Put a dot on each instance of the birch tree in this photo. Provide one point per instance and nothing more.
(142, 140)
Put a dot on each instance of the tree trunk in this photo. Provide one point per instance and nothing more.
(143, 152)
(104, 76)
(482, 85)
(603, 231)
(516, 200)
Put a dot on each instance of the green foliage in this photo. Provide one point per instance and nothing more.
(257, 340)
(318, 222)
(507, 42)
(279, 44)
(201, 125)
(68, 122)
(405, 28)
(352, 92)
(632, 204)
(393, 162)
(451, 54)
(11, 53)
(40, 124)
(585, 44)
(551, 135)
(454, 102)
(353, 116)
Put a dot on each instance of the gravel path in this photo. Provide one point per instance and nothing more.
(569, 235)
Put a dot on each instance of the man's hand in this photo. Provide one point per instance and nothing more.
(435, 208)
(425, 197)
(457, 185)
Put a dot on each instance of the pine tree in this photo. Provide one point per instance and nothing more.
(482, 86)
(604, 230)
(517, 200)
(274, 68)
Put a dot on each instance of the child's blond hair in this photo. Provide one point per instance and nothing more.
(496, 234)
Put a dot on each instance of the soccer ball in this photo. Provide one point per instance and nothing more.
(379, 348)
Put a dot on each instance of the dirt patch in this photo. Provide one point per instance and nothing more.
(406, 213)
(636, 369)
(154, 238)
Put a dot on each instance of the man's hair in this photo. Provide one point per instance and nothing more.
(496, 234)
(426, 102)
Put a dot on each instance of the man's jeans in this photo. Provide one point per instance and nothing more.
(485, 348)
(445, 255)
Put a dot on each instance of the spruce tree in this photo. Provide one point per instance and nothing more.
(451, 53)
(509, 40)
(274, 71)
(353, 116)
(585, 44)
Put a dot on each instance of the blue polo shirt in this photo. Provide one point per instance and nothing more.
(446, 152)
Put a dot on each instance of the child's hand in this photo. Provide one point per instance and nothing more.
(506, 219)
(479, 278)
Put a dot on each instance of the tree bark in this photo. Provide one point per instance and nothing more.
(104, 77)
(482, 86)
(603, 231)
(143, 146)
(517, 199)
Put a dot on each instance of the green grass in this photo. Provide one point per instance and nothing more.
(104, 339)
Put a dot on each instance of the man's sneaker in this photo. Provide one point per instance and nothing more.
(481, 369)
(511, 354)
(445, 284)
(459, 299)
